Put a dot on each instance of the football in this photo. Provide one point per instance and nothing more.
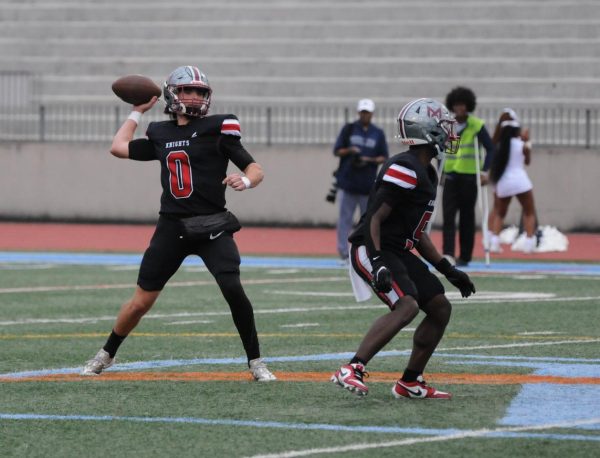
(135, 89)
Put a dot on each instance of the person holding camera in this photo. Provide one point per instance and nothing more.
(361, 147)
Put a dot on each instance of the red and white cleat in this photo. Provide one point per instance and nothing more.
(350, 377)
(417, 390)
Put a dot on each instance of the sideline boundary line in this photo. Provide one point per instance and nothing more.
(559, 268)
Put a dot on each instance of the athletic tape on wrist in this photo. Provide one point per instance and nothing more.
(247, 182)
(135, 116)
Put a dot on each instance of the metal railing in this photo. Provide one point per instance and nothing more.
(281, 124)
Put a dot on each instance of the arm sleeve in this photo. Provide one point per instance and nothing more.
(232, 148)
(385, 194)
(484, 139)
(142, 149)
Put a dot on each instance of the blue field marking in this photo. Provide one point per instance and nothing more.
(292, 426)
(541, 403)
(559, 268)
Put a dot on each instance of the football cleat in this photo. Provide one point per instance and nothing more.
(417, 390)
(96, 365)
(259, 371)
(350, 376)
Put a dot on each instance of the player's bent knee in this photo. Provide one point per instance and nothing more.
(228, 281)
(142, 301)
(408, 307)
(439, 309)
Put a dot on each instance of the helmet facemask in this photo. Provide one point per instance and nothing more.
(452, 141)
(174, 91)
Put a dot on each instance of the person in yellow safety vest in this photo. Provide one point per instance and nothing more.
(460, 175)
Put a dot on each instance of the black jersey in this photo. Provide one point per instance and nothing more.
(193, 160)
(409, 187)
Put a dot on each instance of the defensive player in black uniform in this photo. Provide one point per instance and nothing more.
(398, 211)
(193, 150)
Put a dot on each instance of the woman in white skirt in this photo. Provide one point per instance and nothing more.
(509, 177)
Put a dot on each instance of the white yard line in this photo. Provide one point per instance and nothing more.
(422, 440)
(175, 284)
(522, 344)
(309, 293)
(332, 307)
(189, 322)
(300, 325)
(539, 333)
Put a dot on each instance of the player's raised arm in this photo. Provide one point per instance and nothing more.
(120, 143)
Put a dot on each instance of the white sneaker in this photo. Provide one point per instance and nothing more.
(95, 366)
(259, 371)
(529, 245)
(495, 244)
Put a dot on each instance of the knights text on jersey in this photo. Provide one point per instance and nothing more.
(193, 161)
(409, 187)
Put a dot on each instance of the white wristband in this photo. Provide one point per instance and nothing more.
(247, 182)
(527, 144)
(135, 116)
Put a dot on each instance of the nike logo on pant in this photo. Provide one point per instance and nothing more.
(214, 236)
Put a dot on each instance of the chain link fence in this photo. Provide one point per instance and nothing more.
(550, 126)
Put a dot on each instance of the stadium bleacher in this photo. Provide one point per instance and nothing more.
(514, 53)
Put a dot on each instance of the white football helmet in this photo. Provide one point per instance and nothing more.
(428, 122)
(177, 103)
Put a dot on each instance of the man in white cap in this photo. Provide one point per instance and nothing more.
(361, 147)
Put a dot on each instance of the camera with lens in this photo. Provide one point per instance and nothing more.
(332, 193)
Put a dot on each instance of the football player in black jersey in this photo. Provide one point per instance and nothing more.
(399, 208)
(193, 150)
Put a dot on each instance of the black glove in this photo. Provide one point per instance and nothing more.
(382, 276)
(457, 277)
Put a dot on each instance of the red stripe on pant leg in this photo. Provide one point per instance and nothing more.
(369, 276)
(396, 288)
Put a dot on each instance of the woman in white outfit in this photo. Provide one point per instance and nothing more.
(509, 177)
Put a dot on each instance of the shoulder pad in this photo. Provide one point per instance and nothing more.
(154, 127)
(226, 124)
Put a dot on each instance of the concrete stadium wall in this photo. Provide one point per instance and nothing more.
(69, 181)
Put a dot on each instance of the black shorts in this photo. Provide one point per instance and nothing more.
(411, 276)
(167, 251)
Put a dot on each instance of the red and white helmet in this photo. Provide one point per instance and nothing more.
(186, 76)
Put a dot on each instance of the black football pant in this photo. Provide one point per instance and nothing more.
(167, 251)
(460, 196)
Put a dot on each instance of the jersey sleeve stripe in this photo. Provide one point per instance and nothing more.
(401, 176)
(231, 127)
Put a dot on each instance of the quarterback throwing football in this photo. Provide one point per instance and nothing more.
(400, 205)
(193, 150)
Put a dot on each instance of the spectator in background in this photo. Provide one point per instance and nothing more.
(509, 177)
(361, 147)
(460, 176)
